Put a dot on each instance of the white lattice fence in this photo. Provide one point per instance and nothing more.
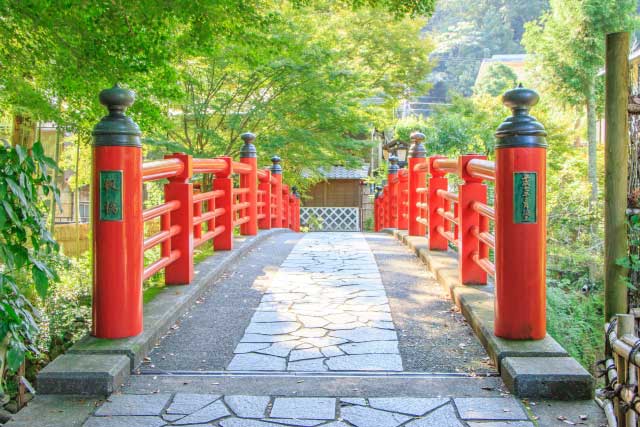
(330, 219)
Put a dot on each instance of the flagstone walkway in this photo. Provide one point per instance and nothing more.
(182, 409)
(325, 310)
(315, 330)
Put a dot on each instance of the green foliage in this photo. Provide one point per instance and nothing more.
(66, 312)
(498, 79)
(467, 125)
(467, 32)
(26, 246)
(575, 320)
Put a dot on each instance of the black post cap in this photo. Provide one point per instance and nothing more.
(276, 169)
(417, 150)
(521, 129)
(116, 129)
(393, 167)
(248, 149)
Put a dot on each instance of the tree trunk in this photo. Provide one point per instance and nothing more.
(592, 138)
(24, 131)
(77, 196)
(616, 161)
(52, 218)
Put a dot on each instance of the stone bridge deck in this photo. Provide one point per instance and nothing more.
(322, 329)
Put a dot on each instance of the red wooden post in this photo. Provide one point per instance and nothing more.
(437, 181)
(473, 190)
(292, 209)
(377, 210)
(403, 199)
(180, 272)
(384, 207)
(417, 179)
(224, 182)
(265, 185)
(249, 156)
(276, 174)
(296, 209)
(298, 214)
(520, 205)
(393, 192)
(286, 217)
(117, 220)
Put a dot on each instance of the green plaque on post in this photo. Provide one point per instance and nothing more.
(525, 197)
(110, 195)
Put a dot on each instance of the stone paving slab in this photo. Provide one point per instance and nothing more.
(433, 335)
(261, 411)
(516, 360)
(325, 309)
(205, 337)
(312, 384)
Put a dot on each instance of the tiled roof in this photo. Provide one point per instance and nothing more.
(340, 172)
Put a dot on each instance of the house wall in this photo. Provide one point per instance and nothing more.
(335, 193)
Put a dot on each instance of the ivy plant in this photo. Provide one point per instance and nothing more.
(26, 248)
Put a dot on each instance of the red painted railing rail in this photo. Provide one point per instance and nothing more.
(188, 217)
(507, 241)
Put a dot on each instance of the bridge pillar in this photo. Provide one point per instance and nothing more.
(179, 188)
(377, 210)
(437, 181)
(417, 179)
(393, 202)
(265, 186)
(276, 189)
(224, 182)
(117, 220)
(520, 228)
(249, 156)
(471, 191)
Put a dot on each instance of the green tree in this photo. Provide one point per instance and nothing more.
(498, 79)
(467, 32)
(300, 90)
(568, 44)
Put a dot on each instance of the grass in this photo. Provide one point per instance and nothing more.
(155, 284)
(576, 322)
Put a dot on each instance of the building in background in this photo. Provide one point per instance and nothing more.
(66, 211)
(341, 201)
(516, 62)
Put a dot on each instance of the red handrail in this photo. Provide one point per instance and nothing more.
(482, 169)
(159, 169)
(216, 166)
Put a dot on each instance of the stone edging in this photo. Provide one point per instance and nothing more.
(535, 369)
(95, 366)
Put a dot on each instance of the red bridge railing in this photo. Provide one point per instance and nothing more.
(506, 242)
(188, 218)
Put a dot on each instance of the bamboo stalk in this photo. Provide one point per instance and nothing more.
(616, 154)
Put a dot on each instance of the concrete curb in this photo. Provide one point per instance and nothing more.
(96, 366)
(534, 369)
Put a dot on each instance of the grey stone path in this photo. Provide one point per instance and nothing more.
(322, 330)
(325, 310)
(181, 409)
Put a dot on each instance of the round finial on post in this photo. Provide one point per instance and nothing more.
(521, 129)
(294, 191)
(417, 149)
(378, 191)
(117, 98)
(116, 129)
(393, 166)
(248, 149)
(276, 168)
